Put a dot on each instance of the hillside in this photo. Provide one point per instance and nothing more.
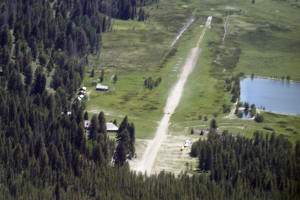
(140, 49)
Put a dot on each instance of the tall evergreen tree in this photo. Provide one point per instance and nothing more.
(102, 123)
(94, 127)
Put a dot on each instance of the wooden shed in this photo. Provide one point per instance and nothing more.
(101, 87)
(111, 127)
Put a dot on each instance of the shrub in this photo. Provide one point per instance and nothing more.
(240, 114)
(268, 128)
(259, 118)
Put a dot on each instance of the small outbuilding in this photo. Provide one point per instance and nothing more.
(81, 92)
(101, 87)
(187, 144)
(87, 124)
(66, 113)
(82, 89)
(111, 127)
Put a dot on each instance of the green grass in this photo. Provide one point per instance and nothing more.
(142, 54)
(272, 46)
(122, 25)
(257, 43)
(203, 94)
(289, 126)
(128, 96)
(260, 41)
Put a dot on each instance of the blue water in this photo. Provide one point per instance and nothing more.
(273, 95)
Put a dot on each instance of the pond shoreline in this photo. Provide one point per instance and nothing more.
(277, 113)
(275, 95)
(271, 78)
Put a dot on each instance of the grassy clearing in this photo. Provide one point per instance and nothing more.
(145, 52)
(262, 41)
(203, 94)
(286, 125)
(289, 126)
(271, 46)
(128, 96)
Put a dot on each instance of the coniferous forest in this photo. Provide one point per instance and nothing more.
(45, 153)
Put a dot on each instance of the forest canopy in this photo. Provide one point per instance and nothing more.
(46, 154)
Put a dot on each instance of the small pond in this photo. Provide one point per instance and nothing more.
(273, 95)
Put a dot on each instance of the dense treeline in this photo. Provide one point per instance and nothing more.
(124, 9)
(50, 35)
(233, 86)
(267, 165)
(126, 140)
(57, 35)
(45, 152)
(42, 148)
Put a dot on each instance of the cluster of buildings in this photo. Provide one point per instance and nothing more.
(110, 127)
(81, 94)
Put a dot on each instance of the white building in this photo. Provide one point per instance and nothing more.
(111, 127)
(101, 87)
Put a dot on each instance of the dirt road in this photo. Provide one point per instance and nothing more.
(188, 23)
(146, 163)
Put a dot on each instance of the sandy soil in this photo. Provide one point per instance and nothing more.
(188, 23)
(171, 159)
(226, 27)
(147, 161)
(140, 147)
(231, 115)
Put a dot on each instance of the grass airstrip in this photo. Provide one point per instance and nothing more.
(262, 39)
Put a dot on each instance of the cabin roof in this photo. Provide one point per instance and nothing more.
(82, 88)
(101, 87)
(87, 123)
(111, 127)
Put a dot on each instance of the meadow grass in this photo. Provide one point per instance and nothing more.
(272, 46)
(287, 125)
(142, 54)
(260, 40)
(203, 94)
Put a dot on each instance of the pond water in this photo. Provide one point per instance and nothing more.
(273, 95)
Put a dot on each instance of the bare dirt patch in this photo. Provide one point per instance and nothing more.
(170, 158)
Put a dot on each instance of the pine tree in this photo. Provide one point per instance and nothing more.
(115, 79)
(102, 123)
(86, 116)
(131, 130)
(28, 75)
(92, 73)
(124, 124)
(94, 127)
(120, 155)
(98, 156)
(213, 124)
(39, 82)
(101, 76)
(57, 192)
